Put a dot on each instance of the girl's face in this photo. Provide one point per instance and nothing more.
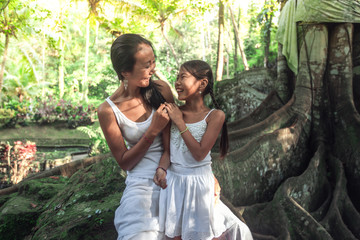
(186, 85)
(144, 67)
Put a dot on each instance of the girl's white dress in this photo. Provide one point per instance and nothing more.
(137, 217)
(187, 205)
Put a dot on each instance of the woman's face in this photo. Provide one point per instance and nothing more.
(144, 67)
(186, 85)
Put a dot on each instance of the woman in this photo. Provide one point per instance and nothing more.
(135, 113)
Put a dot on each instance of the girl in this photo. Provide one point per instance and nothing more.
(187, 205)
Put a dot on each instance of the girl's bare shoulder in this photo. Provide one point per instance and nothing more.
(217, 116)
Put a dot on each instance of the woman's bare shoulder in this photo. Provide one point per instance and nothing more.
(104, 109)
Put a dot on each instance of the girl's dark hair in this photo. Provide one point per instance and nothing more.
(122, 54)
(200, 70)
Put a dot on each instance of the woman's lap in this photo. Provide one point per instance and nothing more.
(138, 213)
(137, 217)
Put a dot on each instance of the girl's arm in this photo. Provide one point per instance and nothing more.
(161, 171)
(128, 158)
(160, 174)
(199, 150)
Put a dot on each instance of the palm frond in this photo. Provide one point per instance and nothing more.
(90, 132)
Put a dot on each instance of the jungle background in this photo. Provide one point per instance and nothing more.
(288, 82)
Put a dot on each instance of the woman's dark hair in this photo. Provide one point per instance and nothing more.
(200, 70)
(122, 54)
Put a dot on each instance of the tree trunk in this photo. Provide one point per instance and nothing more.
(85, 84)
(298, 170)
(284, 84)
(235, 57)
(236, 45)
(203, 44)
(220, 52)
(61, 68)
(356, 67)
(267, 38)
(97, 32)
(169, 43)
(239, 41)
(208, 37)
(6, 46)
(227, 66)
(43, 67)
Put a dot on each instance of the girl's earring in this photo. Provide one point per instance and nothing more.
(125, 82)
(200, 91)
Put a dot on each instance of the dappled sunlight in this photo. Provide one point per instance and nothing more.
(287, 138)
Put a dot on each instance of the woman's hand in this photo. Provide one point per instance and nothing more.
(160, 119)
(160, 178)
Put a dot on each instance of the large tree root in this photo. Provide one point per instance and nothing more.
(264, 164)
(346, 119)
(278, 147)
(297, 172)
(270, 104)
(305, 207)
(279, 119)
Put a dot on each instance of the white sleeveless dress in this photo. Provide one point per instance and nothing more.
(187, 205)
(137, 217)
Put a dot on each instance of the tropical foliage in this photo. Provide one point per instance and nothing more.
(54, 55)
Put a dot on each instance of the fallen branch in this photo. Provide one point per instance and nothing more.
(67, 170)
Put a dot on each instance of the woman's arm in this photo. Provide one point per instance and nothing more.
(127, 159)
(199, 150)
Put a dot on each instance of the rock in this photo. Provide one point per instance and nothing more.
(80, 207)
(19, 211)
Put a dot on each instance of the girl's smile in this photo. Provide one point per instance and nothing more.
(186, 85)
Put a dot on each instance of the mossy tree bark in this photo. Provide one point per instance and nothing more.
(296, 172)
(220, 50)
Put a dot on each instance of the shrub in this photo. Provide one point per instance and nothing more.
(15, 112)
(18, 160)
(74, 115)
(46, 111)
(7, 117)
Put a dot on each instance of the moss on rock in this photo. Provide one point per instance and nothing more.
(18, 216)
(85, 208)
(80, 207)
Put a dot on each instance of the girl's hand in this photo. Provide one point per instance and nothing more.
(160, 178)
(174, 112)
